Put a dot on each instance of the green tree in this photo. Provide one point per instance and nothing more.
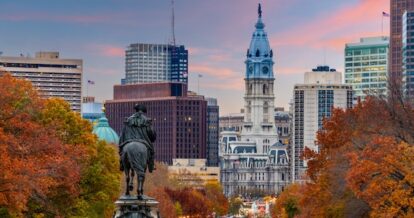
(178, 208)
(235, 205)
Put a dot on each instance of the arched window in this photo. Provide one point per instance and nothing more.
(257, 53)
(250, 89)
(265, 107)
(264, 89)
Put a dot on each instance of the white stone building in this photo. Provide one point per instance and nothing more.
(255, 161)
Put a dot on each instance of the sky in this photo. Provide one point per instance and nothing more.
(217, 33)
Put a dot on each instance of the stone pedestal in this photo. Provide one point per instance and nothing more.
(131, 207)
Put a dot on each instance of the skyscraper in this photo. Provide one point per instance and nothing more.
(313, 101)
(212, 132)
(257, 160)
(366, 65)
(51, 75)
(397, 7)
(408, 54)
(151, 63)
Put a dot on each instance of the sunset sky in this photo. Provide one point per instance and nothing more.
(302, 33)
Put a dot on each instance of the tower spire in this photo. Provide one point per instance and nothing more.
(259, 10)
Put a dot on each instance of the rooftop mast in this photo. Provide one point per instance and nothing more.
(172, 24)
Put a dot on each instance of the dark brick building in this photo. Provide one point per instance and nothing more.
(178, 119)
(397, 9)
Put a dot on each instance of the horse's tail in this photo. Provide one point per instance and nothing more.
(136, 153)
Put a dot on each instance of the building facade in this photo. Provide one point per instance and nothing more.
(282, 124)
(49, 74)
(179, 120)
(92, 110)
(194, 171)
(397, 9)
(366, 65)
(212, 132)
(235, 122)
(313, 102)
(152, 63)
(231, 122)
(255, 161)
(408, 54)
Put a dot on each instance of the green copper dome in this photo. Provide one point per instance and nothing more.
(105, 132)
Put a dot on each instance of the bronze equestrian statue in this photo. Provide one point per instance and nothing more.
(136, 149)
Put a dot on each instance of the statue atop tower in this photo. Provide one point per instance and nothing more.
(260, 10)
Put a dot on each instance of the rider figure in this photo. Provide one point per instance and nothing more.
(138, 128)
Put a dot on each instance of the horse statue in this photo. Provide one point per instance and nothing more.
(136, 149)
(134, 160)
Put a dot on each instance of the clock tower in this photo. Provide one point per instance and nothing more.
(259, 125)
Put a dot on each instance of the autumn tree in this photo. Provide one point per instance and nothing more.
(99, 184)
(159, 178)
(234, 205)
(166, 206)
(34, 160)
(287, 204)
(364, 164)
(52, 165)
(382, 175)
(184, 193)
(219, 202)
(193, 202)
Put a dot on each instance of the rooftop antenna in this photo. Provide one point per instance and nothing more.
(172, 24)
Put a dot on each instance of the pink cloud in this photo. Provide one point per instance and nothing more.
(224, 78)
(217, 72)
(338, 27)
(113, 51)
(210, 54)
(236, 85)
(107, 50)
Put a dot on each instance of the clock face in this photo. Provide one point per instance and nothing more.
(265, 70)
(250, 69)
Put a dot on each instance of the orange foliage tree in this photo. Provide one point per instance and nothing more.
(287, 204)
(166, 206)
(364, 165)
(184, 194)
(51, 164)
(214, 193)
(193, 202)
(33, 159)
(383, 175)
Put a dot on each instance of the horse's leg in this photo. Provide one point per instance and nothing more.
(127, 180)
(140, 188)
(131, 183)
